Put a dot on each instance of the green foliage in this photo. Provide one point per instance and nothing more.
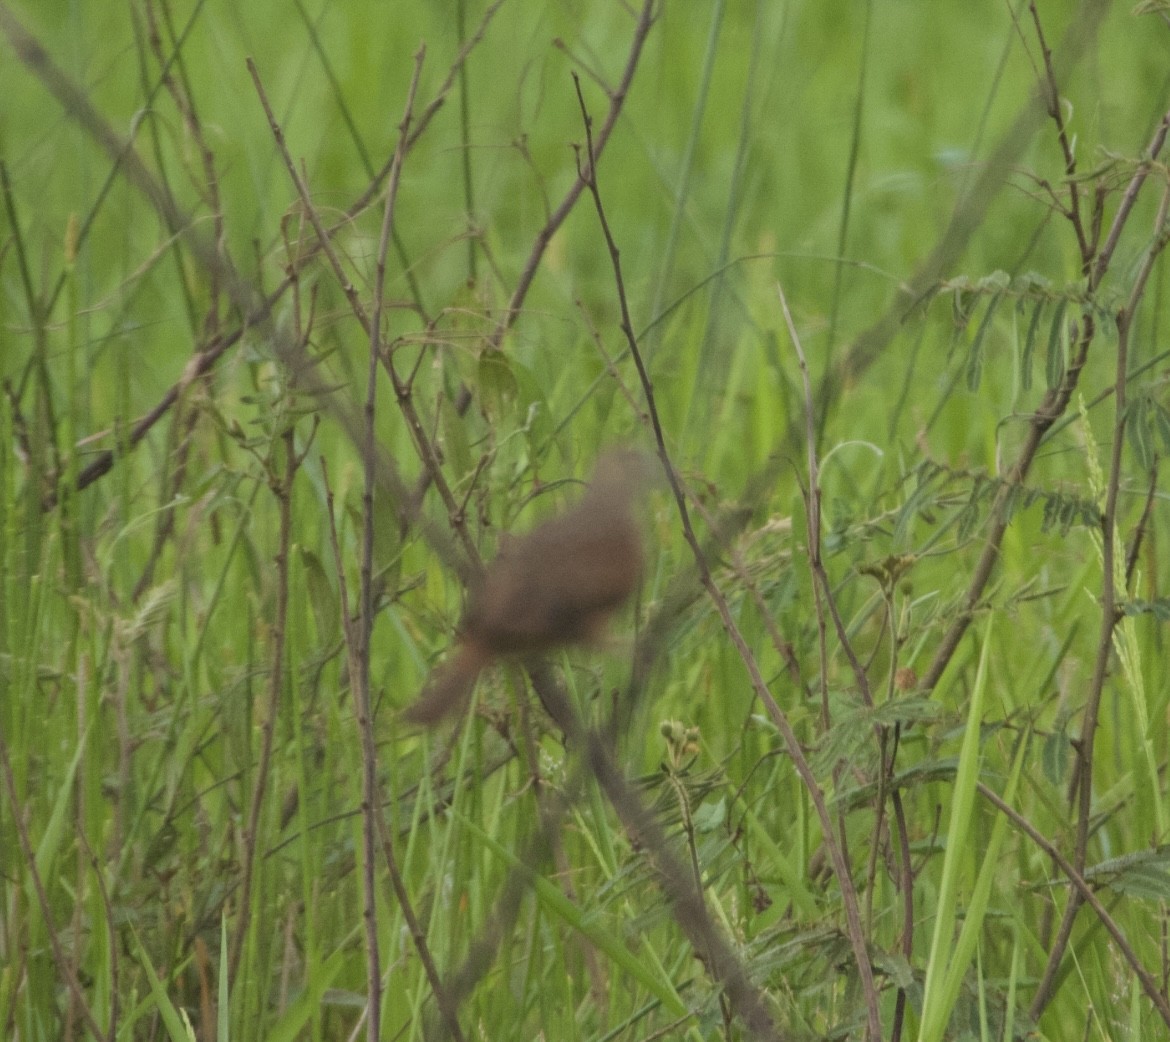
(978, 281)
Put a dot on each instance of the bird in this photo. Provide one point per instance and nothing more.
(553, 586)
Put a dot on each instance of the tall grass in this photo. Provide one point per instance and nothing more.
(880, 749)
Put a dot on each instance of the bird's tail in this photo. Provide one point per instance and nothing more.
(449, 688)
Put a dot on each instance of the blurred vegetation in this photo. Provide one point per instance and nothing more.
(904, 735)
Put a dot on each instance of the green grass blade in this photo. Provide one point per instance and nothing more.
(935, 1008)
(289, 1026)
(176, 1023)
(599, 934)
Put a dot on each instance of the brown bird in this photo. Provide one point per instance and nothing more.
(556, 585)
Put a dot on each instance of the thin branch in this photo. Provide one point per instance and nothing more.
(1085, 893)
(1129, 199)
(1110, 614)
(369, 324)
(373, 327)
(544, 236)
(366, 608)
(369, 795)
(302, 187)
(1135, 547)
(690, 909)
(588, 172)
(282, 488)
(253, 309)
(814, 511)
(823, 593)
(906, 885)
(424, 117)
(1050, 409)
(1050, 90)
(965, 219)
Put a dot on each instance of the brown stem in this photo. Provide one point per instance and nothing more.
(1083, 774)
(1085, 893)
(282, 488)
(254, 310)
(588, 171)
(544, 236)
(366, 608)
(1051, 92)
(906, 886)
(1135, 546)
(822, 592)
(1051, 408)
(370, 811)
(690, 910)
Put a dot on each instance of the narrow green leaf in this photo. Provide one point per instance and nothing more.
(323, 598)
(1054, 370)
(1159, 608)
(600, 934)
(455, 440)
(1030, 347)
(1139, 432)
(1056, 752)
(497, 385)
(976, 911)
(172, 1021)
(1161, 423)
(790, 876)
(975, 355)
(1142, 874)
(936, 1008)
(289, 1027)
(50, 844)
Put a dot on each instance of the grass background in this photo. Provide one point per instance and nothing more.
(182, 831)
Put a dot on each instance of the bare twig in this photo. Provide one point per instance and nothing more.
(282, 488)
(365, 622)
(77, 104)
(302, 187)
(1135, 546)
(370, 811)
(1051, 93)
(588, 172)
(369, 324)
(1050, 409)
(1110, 613)
(814, 511)
(690, 909)
(183, 97)
(373, 327)
(253, 309)
(822, 590)
(1084, 893)
(906, 886)
(782, 646)
(966, 218)
(544, 236)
